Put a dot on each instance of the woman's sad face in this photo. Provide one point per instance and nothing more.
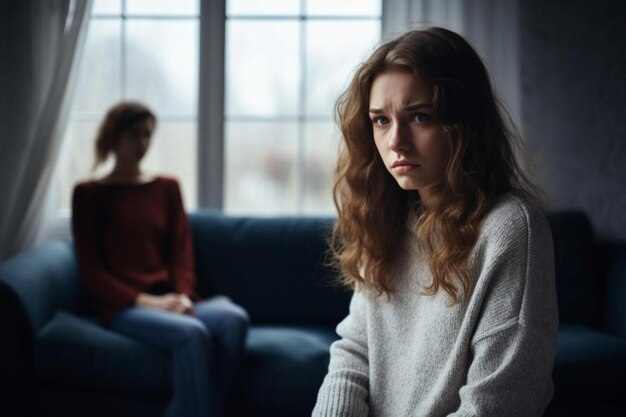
(408, 137)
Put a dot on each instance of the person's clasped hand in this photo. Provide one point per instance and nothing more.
(176, 303)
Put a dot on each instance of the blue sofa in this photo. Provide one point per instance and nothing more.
(55, 360)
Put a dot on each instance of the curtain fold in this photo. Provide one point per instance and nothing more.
(42, 43)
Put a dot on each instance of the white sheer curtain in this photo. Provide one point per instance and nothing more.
(41, 43)
(491, 26)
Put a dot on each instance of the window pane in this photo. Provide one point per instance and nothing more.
(107, 7)
(99, 83)
(173, 152)
(334, 49)
(163, 7)
(321, 150)
(262, 68)
(76, 158)
(344, 7)
(161, 64)
(262, 7)
(260, 167)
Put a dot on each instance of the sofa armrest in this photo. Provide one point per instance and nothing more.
(34, 285)
(615, 312)
(39, 282)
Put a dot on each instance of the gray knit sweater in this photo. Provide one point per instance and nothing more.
(417, 355)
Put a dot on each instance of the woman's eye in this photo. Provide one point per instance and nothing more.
(380, 121)
(422, 117)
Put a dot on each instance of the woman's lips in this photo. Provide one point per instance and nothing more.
(403, 167)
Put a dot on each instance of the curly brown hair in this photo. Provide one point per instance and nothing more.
(483, 162)
(118, 120)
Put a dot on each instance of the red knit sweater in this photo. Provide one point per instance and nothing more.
(129, 238)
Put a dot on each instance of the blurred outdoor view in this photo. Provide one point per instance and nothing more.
(286, 63)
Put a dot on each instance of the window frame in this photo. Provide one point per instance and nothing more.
(210, 118)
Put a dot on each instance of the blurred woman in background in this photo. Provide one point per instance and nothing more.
(135, 251)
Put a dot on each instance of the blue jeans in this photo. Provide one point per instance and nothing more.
(206, 350)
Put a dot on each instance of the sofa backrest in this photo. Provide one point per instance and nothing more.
(576, 285)
(615, 302)
(274, 267)
(37, 283)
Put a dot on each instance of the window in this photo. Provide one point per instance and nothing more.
(285, 63)
(146, 50)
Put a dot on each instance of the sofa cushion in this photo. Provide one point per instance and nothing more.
(77, 351)
(283, 371)
(284, 366)
(590, 367)
(275, 268)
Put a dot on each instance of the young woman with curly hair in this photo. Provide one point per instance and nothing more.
(135, 255)
(443, 240)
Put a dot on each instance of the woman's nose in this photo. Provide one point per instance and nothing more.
(399, 139)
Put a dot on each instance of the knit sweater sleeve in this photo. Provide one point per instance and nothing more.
(182, 272)
(107, 287)
(345, 390)
(514, 343)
